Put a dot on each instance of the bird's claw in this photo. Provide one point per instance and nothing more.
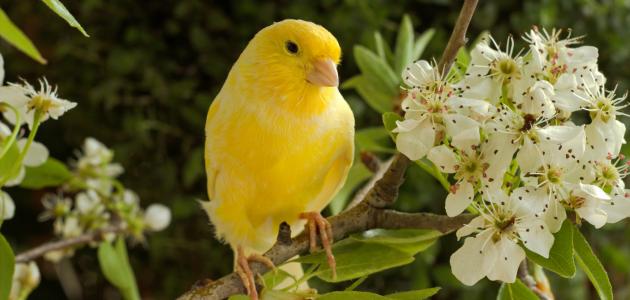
(245, 272)
(315, 223)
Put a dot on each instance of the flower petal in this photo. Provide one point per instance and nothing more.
(458, 201)
(529, 158)
(509, 257)
(464, 130)
(444, 158)
(417, 142)
(418, 74)
(474, 259)
(619, 207)
(535, 235)
(554, 215)
(473, 226)
(36, 155)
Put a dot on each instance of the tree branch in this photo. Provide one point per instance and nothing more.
(360, 218)
(458, 36)
(83, 239)
(367, 214)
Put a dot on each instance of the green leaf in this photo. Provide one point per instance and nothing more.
(282, 295)
(373, 96)
(382, 49)
(415, 295)
(51, 173)
(239, 297)
(60, 10)
(515, 291)
(354, 295)
(403, 54)
(560, 258)
(373, 139)
(276, 277)
(115, 265)
(389, 121)
(356, 259)
(411, 241)
(17, 38)
(351, 83)
(376, 71)
(357, 174)
(7, 265)
(7, 163)
(590, 264)
(421, 43)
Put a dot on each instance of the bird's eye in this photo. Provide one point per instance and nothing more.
(291, 47)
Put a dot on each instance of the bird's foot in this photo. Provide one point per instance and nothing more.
(245, 272)
(315, 223)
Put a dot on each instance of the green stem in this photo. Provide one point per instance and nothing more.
(433, 171)
(9, 142)
(504, 97)
(29, 141)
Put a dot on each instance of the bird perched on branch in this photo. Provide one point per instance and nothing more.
(279, 142)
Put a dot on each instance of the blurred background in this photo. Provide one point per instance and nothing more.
(146, 76)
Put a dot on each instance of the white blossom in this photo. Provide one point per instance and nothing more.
(27, 100)
(494, 251)
(508, 137)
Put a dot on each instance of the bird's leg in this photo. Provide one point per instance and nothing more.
(245, 272)
(316, 223)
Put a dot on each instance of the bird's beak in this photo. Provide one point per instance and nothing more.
(324, 73)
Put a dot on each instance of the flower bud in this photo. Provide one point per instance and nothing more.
(25, 278)
(7, 207)
(157, 217)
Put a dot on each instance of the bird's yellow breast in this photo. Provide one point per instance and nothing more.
(271, 156)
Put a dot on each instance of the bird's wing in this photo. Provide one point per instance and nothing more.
(336, 176)
(211, 169)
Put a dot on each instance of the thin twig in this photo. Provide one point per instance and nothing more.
(458, 36)
(83, 239)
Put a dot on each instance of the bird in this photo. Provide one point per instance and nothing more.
(279, 143)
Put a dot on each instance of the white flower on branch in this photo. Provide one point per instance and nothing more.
(430, 116)
(471, 172)
(494, 251)
(491, 71)
(605, 132)
(27, 100)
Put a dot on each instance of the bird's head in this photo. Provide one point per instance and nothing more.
(294, 54)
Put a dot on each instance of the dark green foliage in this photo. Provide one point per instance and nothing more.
(146, 76)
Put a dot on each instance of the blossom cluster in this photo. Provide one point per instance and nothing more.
(99, 201)
(92, 199)
(525, 137)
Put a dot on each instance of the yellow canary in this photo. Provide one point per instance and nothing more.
(279, 140)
